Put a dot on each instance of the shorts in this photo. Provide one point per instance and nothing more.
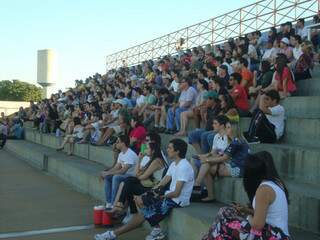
(233, 170)
(117, 129)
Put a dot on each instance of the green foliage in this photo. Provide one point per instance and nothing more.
(19, 91)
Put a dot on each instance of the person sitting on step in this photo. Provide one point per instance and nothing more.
(76, 136)
(267, 217)
(228, 164)
(124, 168)
(267, 123)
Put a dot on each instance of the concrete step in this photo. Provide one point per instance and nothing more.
(309, 87)
(303, 132)
(83, 176)
(298, 131)
(302, 107)
(81, 173)
(301, 164)
(292, 161)
(86, 151)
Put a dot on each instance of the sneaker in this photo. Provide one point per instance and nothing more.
(156, 234)
(109, 206)
(108, 235)
(253, 140)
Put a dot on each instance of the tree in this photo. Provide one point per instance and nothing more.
(19, 91)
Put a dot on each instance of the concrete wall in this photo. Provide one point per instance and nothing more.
(9, 107)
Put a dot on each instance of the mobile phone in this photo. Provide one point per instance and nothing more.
(232, 203)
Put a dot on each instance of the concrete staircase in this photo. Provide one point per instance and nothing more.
(297, 158)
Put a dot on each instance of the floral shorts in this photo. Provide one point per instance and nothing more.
(234, 171)
(156, 212)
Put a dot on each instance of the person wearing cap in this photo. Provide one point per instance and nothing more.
(199, 138)
(127, 101)
(121, 102)
(286, 49)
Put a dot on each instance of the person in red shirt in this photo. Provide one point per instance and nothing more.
(137, 134)
(247, 77)
(284, 82)
(239, 94)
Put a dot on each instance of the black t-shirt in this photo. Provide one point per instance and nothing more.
(223, 91)
(224, 81)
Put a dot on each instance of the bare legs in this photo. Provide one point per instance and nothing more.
(160, 117)
(108, 133)
(207, 174)
(68, 139)
(184, 118)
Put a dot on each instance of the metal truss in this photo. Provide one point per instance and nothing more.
(258, 16)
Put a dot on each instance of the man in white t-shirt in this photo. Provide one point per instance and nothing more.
(267, 123)
(121, 170)
(181, 175)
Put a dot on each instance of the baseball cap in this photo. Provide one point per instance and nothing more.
(211, 94)
(120, 101)
(285, 40)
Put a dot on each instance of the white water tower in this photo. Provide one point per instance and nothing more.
(46, 71)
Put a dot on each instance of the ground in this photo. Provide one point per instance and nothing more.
(31, 200)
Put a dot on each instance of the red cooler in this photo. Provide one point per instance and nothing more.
(98, 215)
(107, 219)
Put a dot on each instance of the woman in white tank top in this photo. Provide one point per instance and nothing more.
(268, 217)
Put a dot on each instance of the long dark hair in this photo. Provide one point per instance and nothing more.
(229, 103)
(157, 154)
(281, 62)
(260, 167)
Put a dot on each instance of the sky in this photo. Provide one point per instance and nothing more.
(83, 33)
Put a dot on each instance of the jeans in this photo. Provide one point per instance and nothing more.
(202, 137)
(4, 140)
(111, 185)
(174, 117)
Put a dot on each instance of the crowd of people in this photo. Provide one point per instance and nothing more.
(214, 86)
(12, 128)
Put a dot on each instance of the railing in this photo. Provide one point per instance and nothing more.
(258, 16)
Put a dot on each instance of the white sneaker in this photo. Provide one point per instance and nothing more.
(156, 234)
(109, 206)
(108, 235)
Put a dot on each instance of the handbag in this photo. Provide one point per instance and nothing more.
(152, 196)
